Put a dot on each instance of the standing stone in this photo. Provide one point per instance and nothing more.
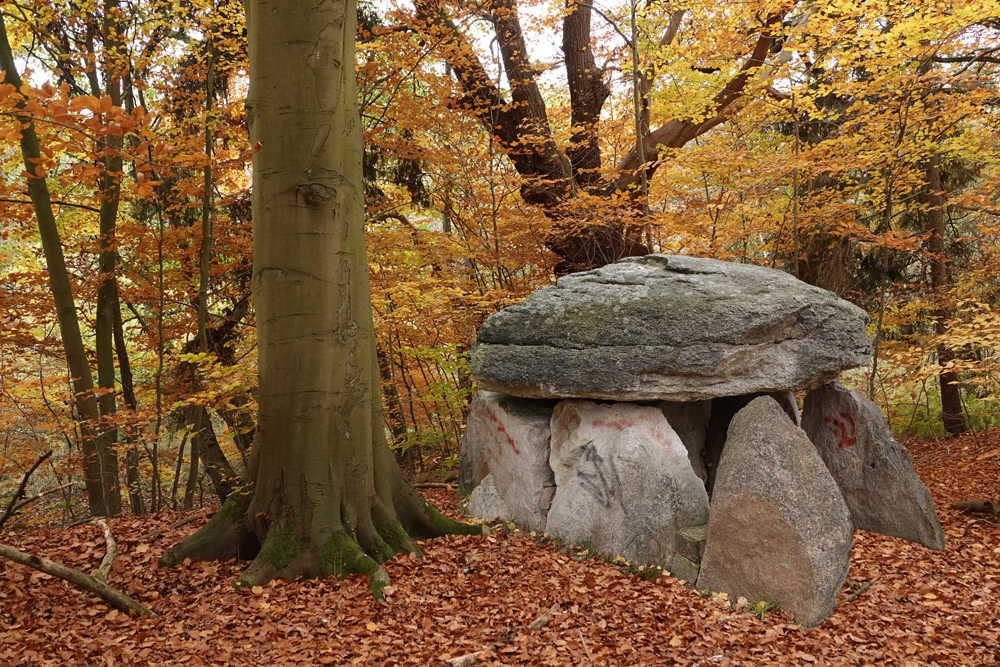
(486, 503)
(624, 482)
(472, 464)
(511, 435)
(874, 472)
(722, 411)
(670, 327)
(690, 423)
(779, 528)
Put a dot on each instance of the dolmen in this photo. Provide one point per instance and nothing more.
(647, 409)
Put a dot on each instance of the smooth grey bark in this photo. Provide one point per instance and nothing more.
(328, 497)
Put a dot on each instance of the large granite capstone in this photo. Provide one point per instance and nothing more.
(670, 327)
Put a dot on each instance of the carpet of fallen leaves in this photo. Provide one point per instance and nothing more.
(474, 593)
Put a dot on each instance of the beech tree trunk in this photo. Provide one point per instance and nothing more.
(328, 497)
(952, 416)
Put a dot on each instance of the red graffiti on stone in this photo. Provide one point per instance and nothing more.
(617, 425)
(502, 429)
(842, 430)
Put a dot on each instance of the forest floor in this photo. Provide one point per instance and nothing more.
(481, 593)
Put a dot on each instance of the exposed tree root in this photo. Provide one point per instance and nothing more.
(227, 535)
(290, 550)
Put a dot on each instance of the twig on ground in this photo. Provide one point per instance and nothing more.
(12, 505)
(96, 583)
(714, 658)
(980, 506)
(470, 658)
(858, 592)
(433, 485)
(585, 649)
(159, 531)
(110, 553)
(80, 522)
(543, 620)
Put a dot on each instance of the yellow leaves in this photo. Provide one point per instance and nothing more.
(371, 626)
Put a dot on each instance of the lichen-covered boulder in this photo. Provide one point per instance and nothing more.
(670, 327)
(874, 472)
(623, 481)
(779, 529)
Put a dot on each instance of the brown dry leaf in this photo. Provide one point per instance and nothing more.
(622, 619)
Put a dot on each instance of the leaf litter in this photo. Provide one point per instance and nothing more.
(478, 599)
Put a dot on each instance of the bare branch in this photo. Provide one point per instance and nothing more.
(982, 56)
(28, 501)
(55, 203)
(12, 505)
(677, 133)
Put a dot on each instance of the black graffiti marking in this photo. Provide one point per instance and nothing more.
(602, 482)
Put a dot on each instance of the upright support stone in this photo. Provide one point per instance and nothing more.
(721, 414)
(874, 472)
(511, 437)
(624, 482)
(779, 528)
(485, 502)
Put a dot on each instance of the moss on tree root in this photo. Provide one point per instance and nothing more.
(446, 526)
(225, 536)
(284, 553)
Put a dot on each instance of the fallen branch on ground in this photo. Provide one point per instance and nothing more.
(979, 506)
(858, 592)
(433, 485)
(96, 583)
(28, 501)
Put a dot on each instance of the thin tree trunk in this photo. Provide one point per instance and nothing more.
(132, 478)
(952, 416)
(100, 462)
(192, 478)
(177, 471)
